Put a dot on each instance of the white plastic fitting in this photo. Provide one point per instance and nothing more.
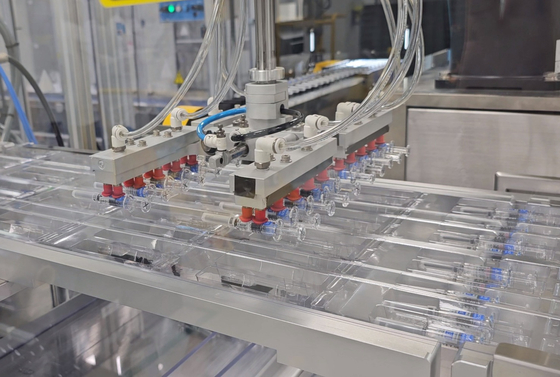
(313, 124)
(178, 116)
(3, 57)
(265, 146)
(118, 136)
(215, 110)
(345, 109)
(213, 141)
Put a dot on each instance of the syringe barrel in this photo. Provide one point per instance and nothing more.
(84, 195)
(217, 219)
(230, 207)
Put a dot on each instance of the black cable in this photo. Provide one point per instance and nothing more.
(298, 118)
(41, 96)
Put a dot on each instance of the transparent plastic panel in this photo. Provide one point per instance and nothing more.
(454, 268)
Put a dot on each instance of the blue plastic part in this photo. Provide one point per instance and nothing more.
(478, 317)
(496, 274)
(509, 249)
(284, 214)
(344, 174)
(140, 192)
(330, 184)
(316, 193)
(26, 127)
(214, 118)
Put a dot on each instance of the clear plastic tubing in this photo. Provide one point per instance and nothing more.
(191, 77)
(195, 70)
(223, 67)
(240, 43)
(374, 93)
(418, 46)
(380, 93)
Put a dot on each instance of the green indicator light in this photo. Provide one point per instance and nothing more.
(171, 8)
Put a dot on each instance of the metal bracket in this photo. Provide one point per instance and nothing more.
(259, 188)
(358, 135)
(114, 168)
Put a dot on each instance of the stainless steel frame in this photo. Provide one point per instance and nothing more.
(507, 182)
(319, 343)
(426, 97)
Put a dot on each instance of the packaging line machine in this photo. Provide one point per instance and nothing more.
(270, 233)
(470, 276)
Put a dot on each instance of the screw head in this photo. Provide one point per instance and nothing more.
(220, 133)
(167, 134)
(156, 133)
(129, 141)
(101, 164)
(142, 143)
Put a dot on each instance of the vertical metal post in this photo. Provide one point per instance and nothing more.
(266, 70)
(69, 20)
(265, 20)
(59, 295)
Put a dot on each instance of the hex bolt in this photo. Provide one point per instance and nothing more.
(286, 159)
(262, 165)
(142, 143)
(167, 134)
(156, 133)
(129, 141)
